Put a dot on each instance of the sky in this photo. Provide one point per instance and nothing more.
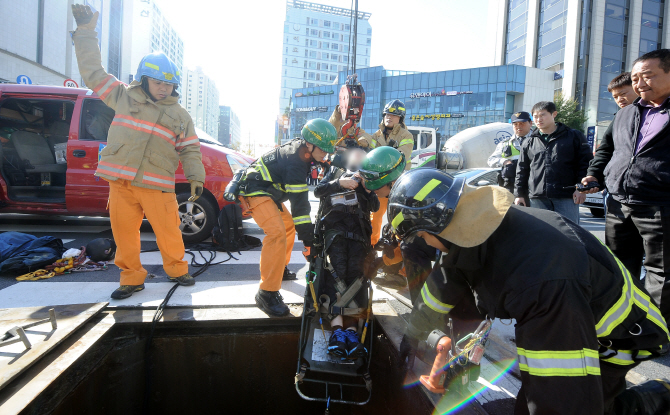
(238, 44)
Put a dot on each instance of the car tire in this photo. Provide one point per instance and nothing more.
(196, 218)
(597, 213)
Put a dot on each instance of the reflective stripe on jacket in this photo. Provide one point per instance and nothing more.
(146, 139)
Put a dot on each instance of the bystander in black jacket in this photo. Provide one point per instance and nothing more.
(546, 168)
(637, 179)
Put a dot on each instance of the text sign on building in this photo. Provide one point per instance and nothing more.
(23, 79)
(437, 94)
(435, 116)
(310, 109)
(70, 83)
(591, 136)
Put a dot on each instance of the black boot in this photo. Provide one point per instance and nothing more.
(288, 275)
(654, 397)
(271, 303)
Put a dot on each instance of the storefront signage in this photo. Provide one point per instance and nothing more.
(591, 136)
(437, 94)
(311, 94)
(435, 116)
(310, 109)
(558, 75)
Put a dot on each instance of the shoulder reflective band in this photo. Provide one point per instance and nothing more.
(433, 303)
(425, 190)
(621, 309)
(152, 66)
(559, 362)
(406, 141)
(264, 170)
(299, 220)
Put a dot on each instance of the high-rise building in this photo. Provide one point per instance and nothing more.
(201, 99)
(230, 133)
(585, 43)
(317, 43)
(34, 41)
(146, 30)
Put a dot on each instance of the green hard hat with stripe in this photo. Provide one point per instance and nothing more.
(382, 166)
(321, 133)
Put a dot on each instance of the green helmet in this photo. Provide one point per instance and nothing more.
(381, 166)
(321, 133)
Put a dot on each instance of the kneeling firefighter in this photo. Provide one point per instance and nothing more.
(274, 178)
(150, 134)
(582, 322)
(392, 133)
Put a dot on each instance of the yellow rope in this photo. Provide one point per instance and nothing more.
(40, 274)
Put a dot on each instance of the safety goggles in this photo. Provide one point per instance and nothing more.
(392, 110)
(432, 219)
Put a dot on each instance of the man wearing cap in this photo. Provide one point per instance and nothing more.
(506, 154)
(582, 320)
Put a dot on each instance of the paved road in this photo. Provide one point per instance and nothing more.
(242, 272)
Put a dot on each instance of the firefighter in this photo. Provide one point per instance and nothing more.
(274, 178)
(150, 134)
(393, 133)
(582, 321)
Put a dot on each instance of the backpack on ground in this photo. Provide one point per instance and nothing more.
(228, 233)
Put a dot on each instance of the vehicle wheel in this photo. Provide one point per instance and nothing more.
(597, 213)
(197, 218)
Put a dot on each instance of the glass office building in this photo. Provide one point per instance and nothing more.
(450, 101)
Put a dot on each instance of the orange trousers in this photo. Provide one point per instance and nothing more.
(377, 218)
(127, 207)
(278, 242)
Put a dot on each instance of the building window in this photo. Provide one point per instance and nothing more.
(286, 51)
(325, 56)
(326, 23)
(318, 77)
(369, 31)
(324, 66)
(313, 43)
(334, 46)
(369, 41)
(310, 75)
(314, 32)
(347, 27)
(312, 54)
(326, 34)
(310, 85)
(314, 22)
(334, 57)
(325, 45)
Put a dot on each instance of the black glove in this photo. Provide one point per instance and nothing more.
(393, 143)
(408, 346)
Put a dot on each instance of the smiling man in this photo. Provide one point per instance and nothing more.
(638, 178)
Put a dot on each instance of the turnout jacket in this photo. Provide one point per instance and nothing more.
(634, 178)
(545, 168)
(567, 269)
(146, 139)
(336, 120)
(403, 141)
(281, 174)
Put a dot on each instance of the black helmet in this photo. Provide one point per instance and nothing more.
(423, 200)
(101, 249)
(395, 107)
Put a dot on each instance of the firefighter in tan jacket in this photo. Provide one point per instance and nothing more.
(393, 133)
(150, 134)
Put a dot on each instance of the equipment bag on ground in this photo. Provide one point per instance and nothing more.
(228, 235)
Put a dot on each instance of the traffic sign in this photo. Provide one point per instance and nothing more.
(70, 83)
(23, 79)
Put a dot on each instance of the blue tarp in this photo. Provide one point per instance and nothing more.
(20, 252)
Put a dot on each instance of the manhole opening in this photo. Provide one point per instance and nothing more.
(209, 368)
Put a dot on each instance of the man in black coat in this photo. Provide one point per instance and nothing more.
(554, 158)
(637, 176)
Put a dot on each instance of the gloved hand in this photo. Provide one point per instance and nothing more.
(309, 253)
(84, 17)
(196, 190)
(408, 346)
